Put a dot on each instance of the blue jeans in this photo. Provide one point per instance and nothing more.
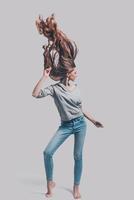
(76, 126)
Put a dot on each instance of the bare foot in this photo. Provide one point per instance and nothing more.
(76, 192)
(50, 185)
(48, 194)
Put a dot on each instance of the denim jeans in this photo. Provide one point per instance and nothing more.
(77, 127)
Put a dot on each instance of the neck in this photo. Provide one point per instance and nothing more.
(65, 81)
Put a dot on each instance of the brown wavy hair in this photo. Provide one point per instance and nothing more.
(60, 52)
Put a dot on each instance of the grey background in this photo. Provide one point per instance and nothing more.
(103, 31)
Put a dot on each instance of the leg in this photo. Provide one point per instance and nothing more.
(59, 137)
(79, 137)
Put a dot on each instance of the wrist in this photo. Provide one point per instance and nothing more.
(93, 121)
(44, 77)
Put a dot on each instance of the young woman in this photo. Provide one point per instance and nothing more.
(67, 99)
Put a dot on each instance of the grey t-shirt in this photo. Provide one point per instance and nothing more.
(68, 102)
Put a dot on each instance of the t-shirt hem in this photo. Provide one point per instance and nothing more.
(81, 114)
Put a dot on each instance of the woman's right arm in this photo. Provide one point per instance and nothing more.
(37, 88)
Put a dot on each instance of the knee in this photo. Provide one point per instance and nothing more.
(47, 154)
(77, 156)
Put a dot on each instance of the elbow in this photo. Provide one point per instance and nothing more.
(35, 95)
(83, 112)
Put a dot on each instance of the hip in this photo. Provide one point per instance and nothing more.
(77, 121)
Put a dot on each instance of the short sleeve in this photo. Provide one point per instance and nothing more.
(46, 91)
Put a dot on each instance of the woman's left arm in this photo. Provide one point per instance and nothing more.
(89, 117)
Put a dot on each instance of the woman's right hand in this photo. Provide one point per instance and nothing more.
(46, 72)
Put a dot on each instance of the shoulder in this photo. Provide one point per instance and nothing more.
(54, 85)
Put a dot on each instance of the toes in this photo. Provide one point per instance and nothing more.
(48, 194)
(77, 196)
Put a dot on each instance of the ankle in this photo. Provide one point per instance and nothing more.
(76, 186)
(49, 181)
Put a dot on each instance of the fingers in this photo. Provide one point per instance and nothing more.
(98, 124)
(48, 70)
(38, 20)
(101, 126)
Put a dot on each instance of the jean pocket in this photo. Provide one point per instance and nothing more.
(83, 121)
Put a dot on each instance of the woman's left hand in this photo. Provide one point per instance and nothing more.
(98, 124)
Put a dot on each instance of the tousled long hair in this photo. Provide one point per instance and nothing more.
(60, 52)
